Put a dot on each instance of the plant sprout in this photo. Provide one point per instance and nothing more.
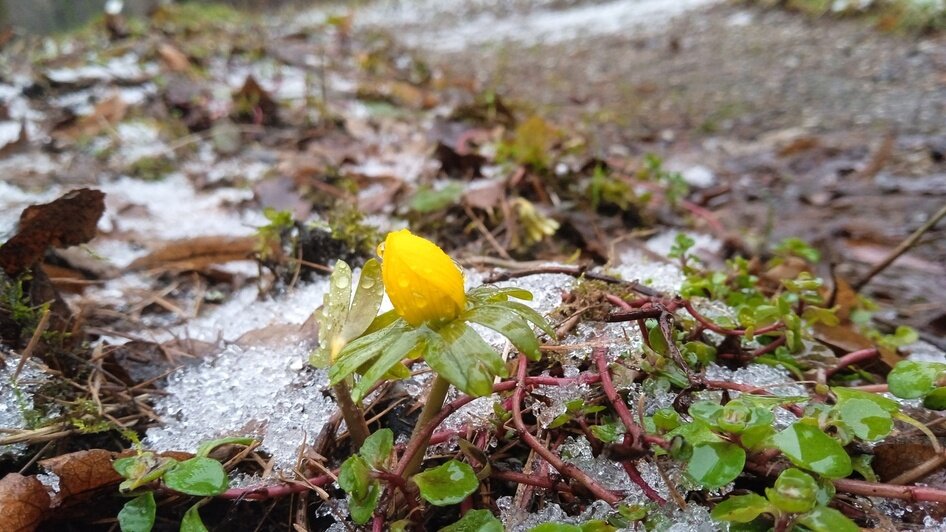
(430, 321)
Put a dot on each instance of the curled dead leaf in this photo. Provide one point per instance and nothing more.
(67, 221)
(196, 253)
(24, 503)
(81, 473)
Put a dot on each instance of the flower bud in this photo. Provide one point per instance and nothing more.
(423, 282)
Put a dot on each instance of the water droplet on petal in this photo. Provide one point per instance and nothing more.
(341, 282)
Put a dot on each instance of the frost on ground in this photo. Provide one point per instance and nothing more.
(462, 25)
(16, 396)
(266, 391)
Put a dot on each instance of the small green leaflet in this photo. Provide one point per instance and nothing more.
(342, 318)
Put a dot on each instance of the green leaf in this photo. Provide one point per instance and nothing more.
(555, 527)
(936, 400)
(426, 199)
(362, 489)
(794, 491)
(657, 341)
(334, 314)
(447, 484)
(527, 313)
(125, 466)
(741, 508)
(846, 394)
(608, 432)
(597, 525)
(716, 464)
(476, 521)
(491, 294)
(464, 359)
(367, 301)
(706, 411)
(407, 345)
(206, 447)
(141, 469)
(509, 324)
(377, 448)
(138, 514)
(810, 448)
(865, 418)
(197, 476)
(667, 419)
(360, 351)
(191, 522)
(824, 519)
(695, 433)
(912, 380)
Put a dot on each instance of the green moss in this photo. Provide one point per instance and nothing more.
(151, 168)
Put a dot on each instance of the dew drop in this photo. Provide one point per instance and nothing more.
(341, 282)
(403, 283)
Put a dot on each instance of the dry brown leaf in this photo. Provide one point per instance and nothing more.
(105, 115)
(81, 473)
(67, 221)
(23, 503)
(484, 194)
(197, 253)
(172, 58)
(253, 104)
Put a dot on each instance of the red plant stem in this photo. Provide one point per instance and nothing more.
(768, 348)
(891, 491)
(854, 357)
(631, 469)
(272, 492)
(566, 469)
(539, 481)
(377, 525)
(633, 429)
(618, 302)
(706, 322)
(633, 437)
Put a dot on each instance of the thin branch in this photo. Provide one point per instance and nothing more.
(901, 249)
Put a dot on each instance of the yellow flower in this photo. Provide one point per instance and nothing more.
(423, 282)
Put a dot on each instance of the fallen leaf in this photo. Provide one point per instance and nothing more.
(81, 473)
(196, 253)
(105, 115)
(172, 58)
(484, 194)
(67, 221)
(23, 503)
(454, 164)
(253, 104)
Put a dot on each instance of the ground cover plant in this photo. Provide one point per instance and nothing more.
(246, 294)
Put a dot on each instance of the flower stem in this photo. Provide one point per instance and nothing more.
(435, 399)
(357, 426)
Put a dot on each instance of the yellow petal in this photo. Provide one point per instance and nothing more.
(423, 282)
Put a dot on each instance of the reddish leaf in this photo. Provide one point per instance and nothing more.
(23, 503)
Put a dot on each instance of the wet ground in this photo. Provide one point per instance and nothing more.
(785, 126)
(826, 129)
